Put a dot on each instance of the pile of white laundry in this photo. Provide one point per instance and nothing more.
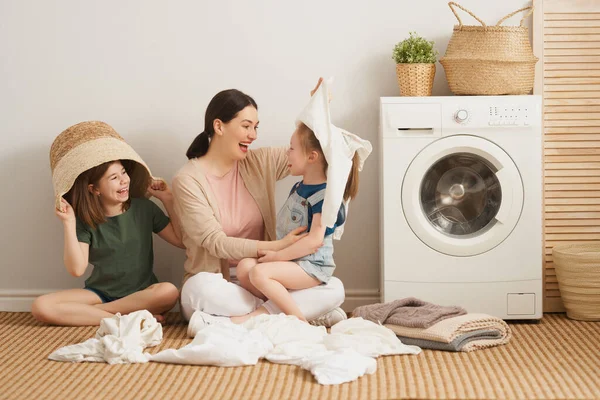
(121, 339)
(343, 355)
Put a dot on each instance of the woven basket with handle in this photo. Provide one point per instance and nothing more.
(489, 60)
(578, 273)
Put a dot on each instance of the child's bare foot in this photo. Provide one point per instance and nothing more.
(160, 318)
(243, 318)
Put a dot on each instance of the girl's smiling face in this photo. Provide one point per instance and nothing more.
(113, 187)
(297, 157)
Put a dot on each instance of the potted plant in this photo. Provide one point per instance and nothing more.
(415, 65)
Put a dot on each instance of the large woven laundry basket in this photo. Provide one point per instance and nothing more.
(489, 60)
(578, 272)
(87, 145)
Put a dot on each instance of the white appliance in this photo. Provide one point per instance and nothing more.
(461, 213)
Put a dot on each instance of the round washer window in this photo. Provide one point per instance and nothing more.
(460, 194)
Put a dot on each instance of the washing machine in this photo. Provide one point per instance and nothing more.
(461, 212)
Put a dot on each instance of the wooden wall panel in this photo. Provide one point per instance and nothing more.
(566, 37)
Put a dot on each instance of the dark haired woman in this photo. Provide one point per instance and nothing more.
(225, 200)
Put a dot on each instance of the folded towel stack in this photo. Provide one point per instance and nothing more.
(431, 326)
(463, 333)
(409, 312)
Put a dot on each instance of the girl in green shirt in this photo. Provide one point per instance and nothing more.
(107, 228)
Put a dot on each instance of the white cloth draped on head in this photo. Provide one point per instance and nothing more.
(338, 147)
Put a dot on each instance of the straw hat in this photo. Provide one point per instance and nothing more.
(87, 145)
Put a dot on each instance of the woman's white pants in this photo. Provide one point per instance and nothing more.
(210, 293)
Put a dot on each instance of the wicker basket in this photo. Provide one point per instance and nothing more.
(415, 79)
(489, 60)
(578, 271)
(87, 145)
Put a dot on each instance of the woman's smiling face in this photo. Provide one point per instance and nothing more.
(239, 133)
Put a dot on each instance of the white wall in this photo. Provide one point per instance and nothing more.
(149, 68)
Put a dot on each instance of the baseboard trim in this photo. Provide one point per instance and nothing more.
(18, 300)
(21, 300)
(360, 297)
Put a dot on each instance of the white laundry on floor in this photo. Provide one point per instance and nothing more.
(120, 339)
(292, 339)
(222, 345)
(367, 338)
(340, 366)
(342, 356)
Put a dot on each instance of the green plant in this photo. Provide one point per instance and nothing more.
(414, 49)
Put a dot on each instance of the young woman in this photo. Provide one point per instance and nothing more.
(225, 199)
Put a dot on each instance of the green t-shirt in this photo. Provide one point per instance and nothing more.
(121, 249)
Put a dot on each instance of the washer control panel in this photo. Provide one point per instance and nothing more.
(514, 115)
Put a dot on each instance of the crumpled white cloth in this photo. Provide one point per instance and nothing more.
(120, 339)
(342, 356)
(222, 345)
(340, 366)
(338, 147)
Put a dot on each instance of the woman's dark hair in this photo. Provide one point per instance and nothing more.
(224, 106)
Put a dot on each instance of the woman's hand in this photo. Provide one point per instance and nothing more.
(159, 189)
(66, 215)
(267, 256)
(294, 236)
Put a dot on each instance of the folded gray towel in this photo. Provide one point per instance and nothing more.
(409, 312)
(455, 345)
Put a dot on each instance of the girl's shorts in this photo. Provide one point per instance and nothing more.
(320, 272)
(103, 297)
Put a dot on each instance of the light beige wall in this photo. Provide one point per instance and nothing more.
(149, 68)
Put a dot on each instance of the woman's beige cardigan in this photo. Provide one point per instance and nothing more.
(207, 247)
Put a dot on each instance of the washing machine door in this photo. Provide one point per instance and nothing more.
(462, 195)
